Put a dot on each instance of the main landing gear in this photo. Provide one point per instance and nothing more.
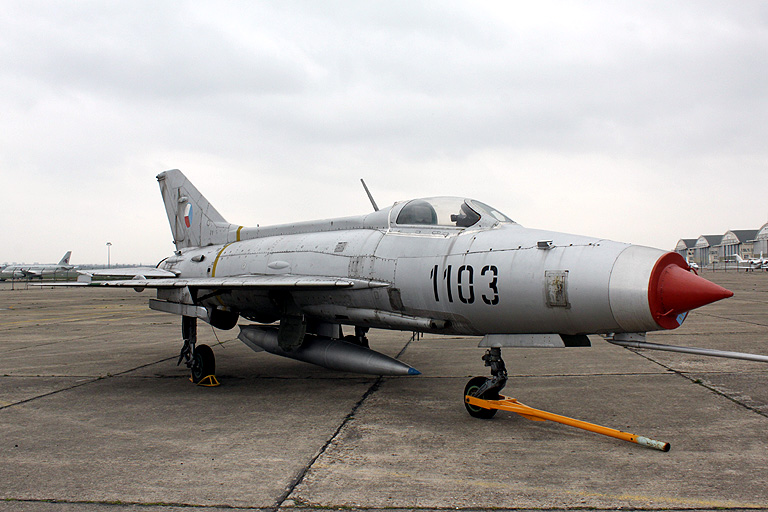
(198, 358)
(482, 400)
(359, 338)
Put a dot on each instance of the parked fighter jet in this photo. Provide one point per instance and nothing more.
(441, 265)
(37, 270)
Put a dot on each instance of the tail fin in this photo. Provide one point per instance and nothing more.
(194, 221)
(65, 259)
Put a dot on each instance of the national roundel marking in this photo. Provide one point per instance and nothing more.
(188, 215)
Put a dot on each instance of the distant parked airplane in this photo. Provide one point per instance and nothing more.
(37, 270)
(752, 263)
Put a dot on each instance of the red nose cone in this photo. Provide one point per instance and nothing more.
(673, 291)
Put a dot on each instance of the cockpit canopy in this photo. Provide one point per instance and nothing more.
(449, 212)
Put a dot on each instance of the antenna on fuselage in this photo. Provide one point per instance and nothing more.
(375, 207)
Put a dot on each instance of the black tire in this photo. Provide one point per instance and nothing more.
(203, 363)
(470, 389)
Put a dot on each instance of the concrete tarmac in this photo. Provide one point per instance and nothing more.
(96, 416)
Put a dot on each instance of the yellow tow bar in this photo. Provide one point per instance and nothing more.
(511, 404)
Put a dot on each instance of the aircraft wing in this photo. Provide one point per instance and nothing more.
(152, 272)
(252, 282)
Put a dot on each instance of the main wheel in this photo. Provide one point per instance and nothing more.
(203, 363)
(470, 389)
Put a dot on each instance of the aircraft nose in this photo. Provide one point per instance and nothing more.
(673, 291)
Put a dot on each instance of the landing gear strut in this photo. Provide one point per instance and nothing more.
(199, 359)
(487, 388)
(359, 337)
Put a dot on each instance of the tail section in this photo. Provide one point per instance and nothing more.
(65, 259)
(194, 221)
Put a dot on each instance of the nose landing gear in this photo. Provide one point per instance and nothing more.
(487, 388)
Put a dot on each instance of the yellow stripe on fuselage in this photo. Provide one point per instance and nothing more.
(238, 233)
(216, 261)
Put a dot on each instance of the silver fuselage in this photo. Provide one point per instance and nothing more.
(492, 277)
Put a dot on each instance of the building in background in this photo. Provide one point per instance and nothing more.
(760, 248)
(716, 250)
(705, 250)
(685, 248)
(740, 241)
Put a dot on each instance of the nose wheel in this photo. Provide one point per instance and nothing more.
(487, 388)
(473, 388)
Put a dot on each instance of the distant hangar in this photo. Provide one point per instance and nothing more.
(715, 250)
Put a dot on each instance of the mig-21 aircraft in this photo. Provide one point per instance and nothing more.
(443, 265)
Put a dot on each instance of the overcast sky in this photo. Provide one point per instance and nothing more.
(642, 122)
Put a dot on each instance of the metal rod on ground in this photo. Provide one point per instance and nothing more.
(691, 350)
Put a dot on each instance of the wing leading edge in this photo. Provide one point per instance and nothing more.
(252, 282)
(153, 272)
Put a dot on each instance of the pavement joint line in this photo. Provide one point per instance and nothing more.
(120, 503)
(99, 315)
(300, 508)
(89, 380)
(50, 393)
(732, 319)
(54, 342)
(303, 472)
(93, 336)
(305, 508)
(698, 382)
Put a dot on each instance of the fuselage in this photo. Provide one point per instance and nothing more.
(448, 274)
(24, 271)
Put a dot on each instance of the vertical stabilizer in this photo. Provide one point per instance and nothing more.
(65, 259)
(194, 221)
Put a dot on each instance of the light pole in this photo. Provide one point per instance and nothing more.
(109, 245)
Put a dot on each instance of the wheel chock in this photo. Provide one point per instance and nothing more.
(505, 403)
(209, 381)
